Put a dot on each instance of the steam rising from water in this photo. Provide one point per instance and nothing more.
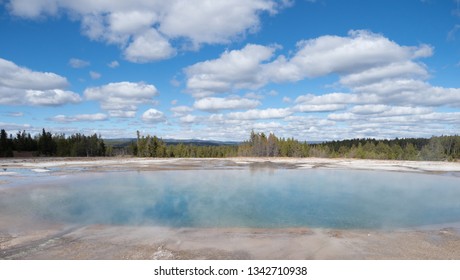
(240, 198)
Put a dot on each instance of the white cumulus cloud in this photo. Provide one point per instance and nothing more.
(360, 50)
(149, 46)
(121, 99)
(385, 110)
(181, 110)
(257, 114)
(80, 118)
(213, 21)
(14, 76)
(234, 69)
(153, 116)
(212, 104)
(53, 97)
(22, 86)
(318, 108)
(188, 119)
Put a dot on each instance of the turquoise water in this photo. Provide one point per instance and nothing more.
(272, 198)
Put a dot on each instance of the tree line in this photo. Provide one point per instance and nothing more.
(436, 148)
(47, 144)
(261, 145)
(258, 145)
(148, 146)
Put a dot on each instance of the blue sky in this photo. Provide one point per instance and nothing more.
(312, 70)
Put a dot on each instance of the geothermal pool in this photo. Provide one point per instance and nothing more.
(265, 198)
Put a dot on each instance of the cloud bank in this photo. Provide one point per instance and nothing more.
(147, 30)
(384, 88)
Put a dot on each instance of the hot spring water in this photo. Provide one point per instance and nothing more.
(269, 198)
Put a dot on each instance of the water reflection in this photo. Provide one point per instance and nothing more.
(242, 198)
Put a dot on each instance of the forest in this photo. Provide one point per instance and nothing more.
(436, 148)
(47, 144)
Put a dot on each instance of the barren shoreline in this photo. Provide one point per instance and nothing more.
(128, 163)
(58, 241)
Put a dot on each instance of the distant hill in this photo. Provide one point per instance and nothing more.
(119, 142)
(198, 142)
(123, 142)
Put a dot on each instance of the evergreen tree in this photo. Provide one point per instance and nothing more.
(46, 145)
(6, 145)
